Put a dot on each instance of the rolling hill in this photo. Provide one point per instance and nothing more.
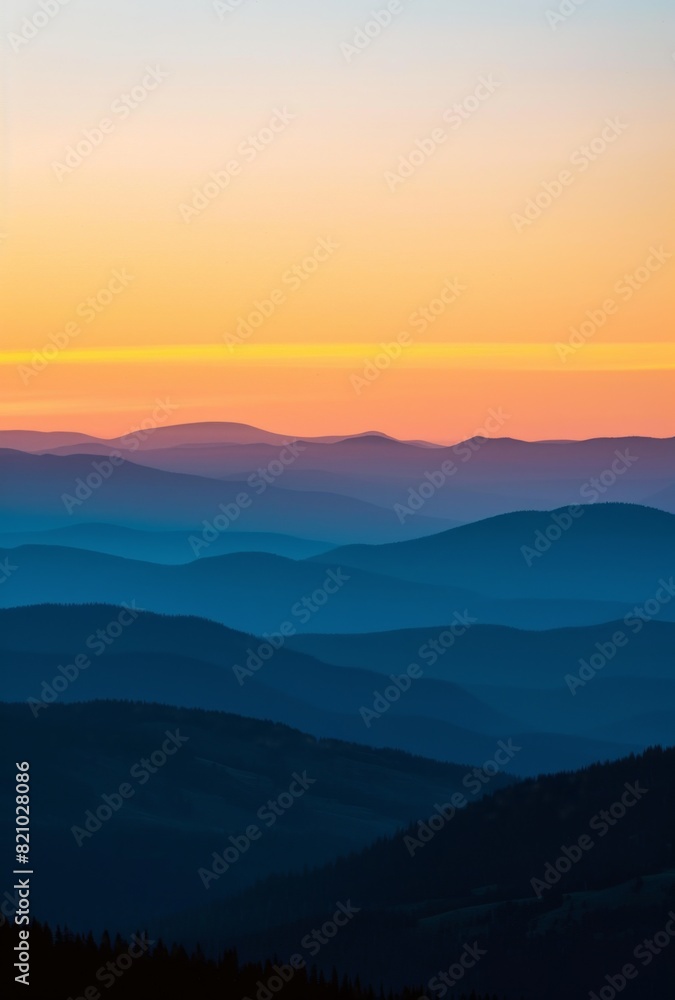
(166, 547)
(607, 552)
(496, 875)
(457, 713)
(39, 492)
(218, 781)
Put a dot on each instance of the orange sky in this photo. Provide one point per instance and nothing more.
(311, 224)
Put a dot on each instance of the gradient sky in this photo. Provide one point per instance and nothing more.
(323, 177)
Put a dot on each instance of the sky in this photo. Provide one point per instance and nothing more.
(234, 205)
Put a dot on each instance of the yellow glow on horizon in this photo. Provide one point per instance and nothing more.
(486, 355)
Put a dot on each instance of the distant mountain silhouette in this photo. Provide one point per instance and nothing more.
(255, 592)
(500, 656)
(584, 574)
(167, 547)
(495, 688)
(609, 552)
(176, 436)
(33, 488)
(483, 476)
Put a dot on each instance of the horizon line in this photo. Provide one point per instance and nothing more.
(327, 439)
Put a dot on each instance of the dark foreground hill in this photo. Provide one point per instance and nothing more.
(560, 882)
(104, 857)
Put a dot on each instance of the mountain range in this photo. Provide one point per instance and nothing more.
(475, 479)
(399, 675)
(505, 570)
(491, 684)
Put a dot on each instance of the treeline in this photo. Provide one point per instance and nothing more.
(67, 966)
